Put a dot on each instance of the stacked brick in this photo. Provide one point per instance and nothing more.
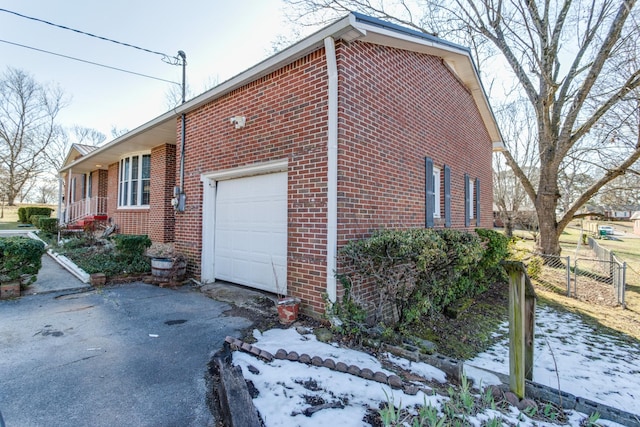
(392, 380)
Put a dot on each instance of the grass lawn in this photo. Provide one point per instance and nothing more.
(9, 217)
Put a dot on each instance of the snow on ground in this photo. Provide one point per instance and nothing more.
(569, 356)
(597, 368)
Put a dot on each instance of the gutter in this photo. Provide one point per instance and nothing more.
(332, 168)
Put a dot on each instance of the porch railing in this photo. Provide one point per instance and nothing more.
(90, 206)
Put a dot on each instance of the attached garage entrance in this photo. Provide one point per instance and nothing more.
(249, 231)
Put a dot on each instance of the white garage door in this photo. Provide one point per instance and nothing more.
(251, 231)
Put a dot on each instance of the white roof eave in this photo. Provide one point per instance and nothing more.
(352, 27)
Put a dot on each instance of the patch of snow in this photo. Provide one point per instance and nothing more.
(595, 367)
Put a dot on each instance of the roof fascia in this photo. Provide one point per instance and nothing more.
(342, 29)
(170, 115)
(351, 27)
(458, 58)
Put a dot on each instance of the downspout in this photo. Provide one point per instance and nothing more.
(332, 168)
(179, 192)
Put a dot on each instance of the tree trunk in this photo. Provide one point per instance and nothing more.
(548, 237)
(508, 226)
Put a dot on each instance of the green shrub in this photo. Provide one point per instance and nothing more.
(25, 213)
(35, 220)
(98, 256)
(415, 272)
(48, 225)
(496, 249)
(22, 215)
(131, 244)
(20, 259)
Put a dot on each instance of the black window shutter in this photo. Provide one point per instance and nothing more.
(477, 202)
(429, 204)
(447, 196)
(467, 214)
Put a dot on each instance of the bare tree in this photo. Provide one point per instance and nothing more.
(509, 196)
(59, 146)
(116, 132)
(575, 62)
(623, 192)
(46, 193)
(28, 111)
(173, 96)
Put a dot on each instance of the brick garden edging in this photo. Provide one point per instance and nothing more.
(451, 367)
(392, 380)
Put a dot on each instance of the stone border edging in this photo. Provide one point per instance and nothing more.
(451, 367)
(392, 380)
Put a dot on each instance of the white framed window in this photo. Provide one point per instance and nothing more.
(134, 181)
(436, 192)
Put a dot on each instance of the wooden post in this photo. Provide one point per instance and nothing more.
(517, 336)
(529, 326)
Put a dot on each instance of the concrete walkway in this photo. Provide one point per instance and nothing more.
(52, 277)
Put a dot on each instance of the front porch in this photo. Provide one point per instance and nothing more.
(79, 214)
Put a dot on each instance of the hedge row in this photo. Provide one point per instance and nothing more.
(418, 272)
(25, 213)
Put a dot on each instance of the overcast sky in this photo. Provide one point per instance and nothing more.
(220, 39)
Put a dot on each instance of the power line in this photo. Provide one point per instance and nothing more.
(88, 62)
(167, 58)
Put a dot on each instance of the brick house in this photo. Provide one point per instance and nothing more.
(360, 126)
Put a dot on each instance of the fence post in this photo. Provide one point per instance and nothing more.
(568, 276)
(529, 325)
(623, 285)
(575, 277)
(521, 324)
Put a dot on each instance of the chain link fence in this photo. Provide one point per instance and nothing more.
(594, 274)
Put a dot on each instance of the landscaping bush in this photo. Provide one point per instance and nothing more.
(20, 259)
(131, 244)
(100, 256)
(48, 225)
(418, 272)
(35, 219)
(25, 212)
(496, 249)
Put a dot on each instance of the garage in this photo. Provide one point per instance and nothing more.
(250, 231)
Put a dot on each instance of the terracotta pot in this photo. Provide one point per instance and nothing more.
(10, 289)
(288, 309)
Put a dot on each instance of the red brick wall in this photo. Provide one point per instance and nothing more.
(286, 118)
(129, 221)
(101, 183)
(161, 213)
(157, 221)
(395, 108)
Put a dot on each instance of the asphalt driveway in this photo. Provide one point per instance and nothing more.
(134, 355)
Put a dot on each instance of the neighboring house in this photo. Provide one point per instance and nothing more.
(361, 126)
(620, 213)
(636, 222)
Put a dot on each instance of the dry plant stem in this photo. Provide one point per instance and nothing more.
(555, 365)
